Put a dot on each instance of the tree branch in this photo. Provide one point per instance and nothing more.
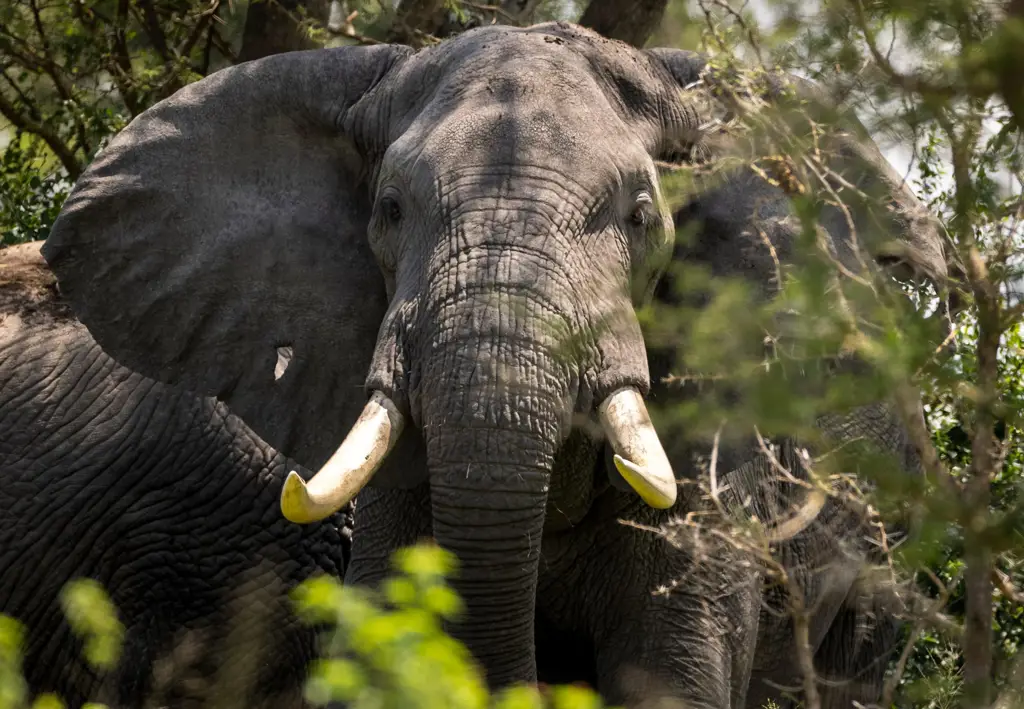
(29, 105)
(52, 140)
(204, 18)
(223, 47)
(170, 81)
(977, 644)
(909, 83)
(893, 680)
(55, 72)
(32, 61)
(204, 64)
(908, 404)
(271, 27)
(518, 13)
(151, 21)
(122, 67)
(802, 636)
(85, 15)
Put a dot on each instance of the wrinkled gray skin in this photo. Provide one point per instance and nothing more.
(162, 496)
(466, 222)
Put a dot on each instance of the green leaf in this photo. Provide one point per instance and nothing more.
(93, 617)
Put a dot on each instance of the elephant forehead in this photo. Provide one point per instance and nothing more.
(537, 79)
(485, 132)
(483, 146)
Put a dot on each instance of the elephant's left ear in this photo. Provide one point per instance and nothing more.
(219, 242)
(910, 242)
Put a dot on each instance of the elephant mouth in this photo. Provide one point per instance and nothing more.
(639, 457)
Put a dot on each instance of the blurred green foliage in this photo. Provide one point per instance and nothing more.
(385, 650)
(93, 618)
(12, 685)
(389, 650)
(94, 621)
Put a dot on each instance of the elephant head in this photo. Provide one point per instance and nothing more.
(462, 233)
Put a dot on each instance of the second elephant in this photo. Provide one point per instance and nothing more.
(163, 497)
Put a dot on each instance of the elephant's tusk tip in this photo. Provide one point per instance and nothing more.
(296, 504)
(657, 491)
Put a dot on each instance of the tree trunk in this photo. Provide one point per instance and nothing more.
(415, 17)
(273, 26)
(1011, 86)
(630, 22)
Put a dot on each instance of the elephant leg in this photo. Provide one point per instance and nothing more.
(852, 643)
(688, 647)
(671, 623)
(563, 656)
(386, 520)
(853, 658)
(850, 663)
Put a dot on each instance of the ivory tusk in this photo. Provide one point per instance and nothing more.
(639, 456)
(800, 520)
(346, 473)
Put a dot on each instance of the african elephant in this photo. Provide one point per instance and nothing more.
(162, 496)
(454, 242)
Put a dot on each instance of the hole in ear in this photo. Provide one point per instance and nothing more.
(284, 358)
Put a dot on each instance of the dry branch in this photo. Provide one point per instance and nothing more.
(53, 141)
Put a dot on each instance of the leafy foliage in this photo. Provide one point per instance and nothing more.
(72, 74)
(93, 619)
(382, 650)
(964, 514)
(934, 672)
(30, 195)
(389, 650)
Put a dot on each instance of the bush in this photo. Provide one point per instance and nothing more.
(384, 650)
(388, 650)
(93, 619)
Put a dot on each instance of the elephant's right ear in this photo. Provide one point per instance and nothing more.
(222, 235)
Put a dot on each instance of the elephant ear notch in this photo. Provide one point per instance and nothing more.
(222, 236)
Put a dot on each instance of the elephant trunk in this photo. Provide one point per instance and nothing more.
(495, 409)
(491, 515)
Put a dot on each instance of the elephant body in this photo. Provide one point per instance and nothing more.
(162, 496)
(454, 242)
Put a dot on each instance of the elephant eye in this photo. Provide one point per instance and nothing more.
(390, 210)
(641, 214)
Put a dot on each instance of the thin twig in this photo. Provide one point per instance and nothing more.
(892, 682)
